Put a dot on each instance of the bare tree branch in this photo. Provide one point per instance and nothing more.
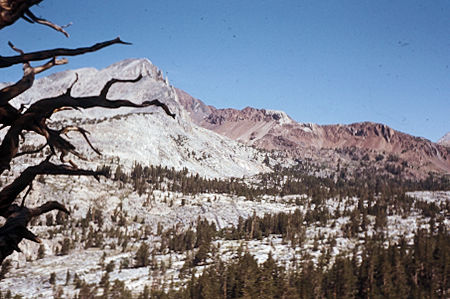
(55, 141)
(110, 83)
(10, 92)
(47, 207)
(30, 187)
(34, 120)
(46, 107)
(41, 21)
(52, 62)
(10, 143)
(31, 152)
(162, 105)
(10, 192)
(15, 228)
(83, 132)
(46, 54)
(12, 10)
(29, 72)
(8, 115)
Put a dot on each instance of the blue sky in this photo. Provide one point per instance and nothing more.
(320, 61)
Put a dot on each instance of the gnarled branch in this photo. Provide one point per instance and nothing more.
(10, 92)
(10, 192)
(15, 228)
(46, 54)
(10, 143)
(8, 115)
(30, 152)
(83, 132)
(55, 141)
(34, 119)
(46, 107)
(12, 10)
(41, 21)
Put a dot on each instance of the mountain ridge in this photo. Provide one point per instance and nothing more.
(251, 126)
(142, 135)
(264, 129)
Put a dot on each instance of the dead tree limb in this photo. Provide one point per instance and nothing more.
(30, 152)
(15, 228)
(8, 115)
(41, 21)
(56, 142)
(35, 117)
(83, 133)
(46, 54)
(11, 191)
(46, 107)
(18, 217)
(12, 10)
(10, 92)
(10, 143)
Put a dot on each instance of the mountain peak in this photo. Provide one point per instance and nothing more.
(135, 67)
(261, 128)
(132, 62)
(445, 140)
(280, 116)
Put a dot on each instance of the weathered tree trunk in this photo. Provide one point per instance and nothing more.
(34, 120)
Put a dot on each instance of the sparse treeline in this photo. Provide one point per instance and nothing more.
(378, 196)
(377, 268)
(419, 270)
(284, 181)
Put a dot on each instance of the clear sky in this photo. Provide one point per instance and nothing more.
(320, 61)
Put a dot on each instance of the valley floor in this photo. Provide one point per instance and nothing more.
(159, 239)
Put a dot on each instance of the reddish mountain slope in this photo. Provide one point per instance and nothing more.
(275, 130)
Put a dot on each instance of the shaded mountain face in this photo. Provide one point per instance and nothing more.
(329, 144)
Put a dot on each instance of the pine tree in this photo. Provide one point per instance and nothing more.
(41, 252)
(268, 279)
(142, 256)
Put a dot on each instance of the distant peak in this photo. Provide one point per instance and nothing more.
(445, 140)
(134, 67)
(131, 62)
(276, 115)
(280, 116)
